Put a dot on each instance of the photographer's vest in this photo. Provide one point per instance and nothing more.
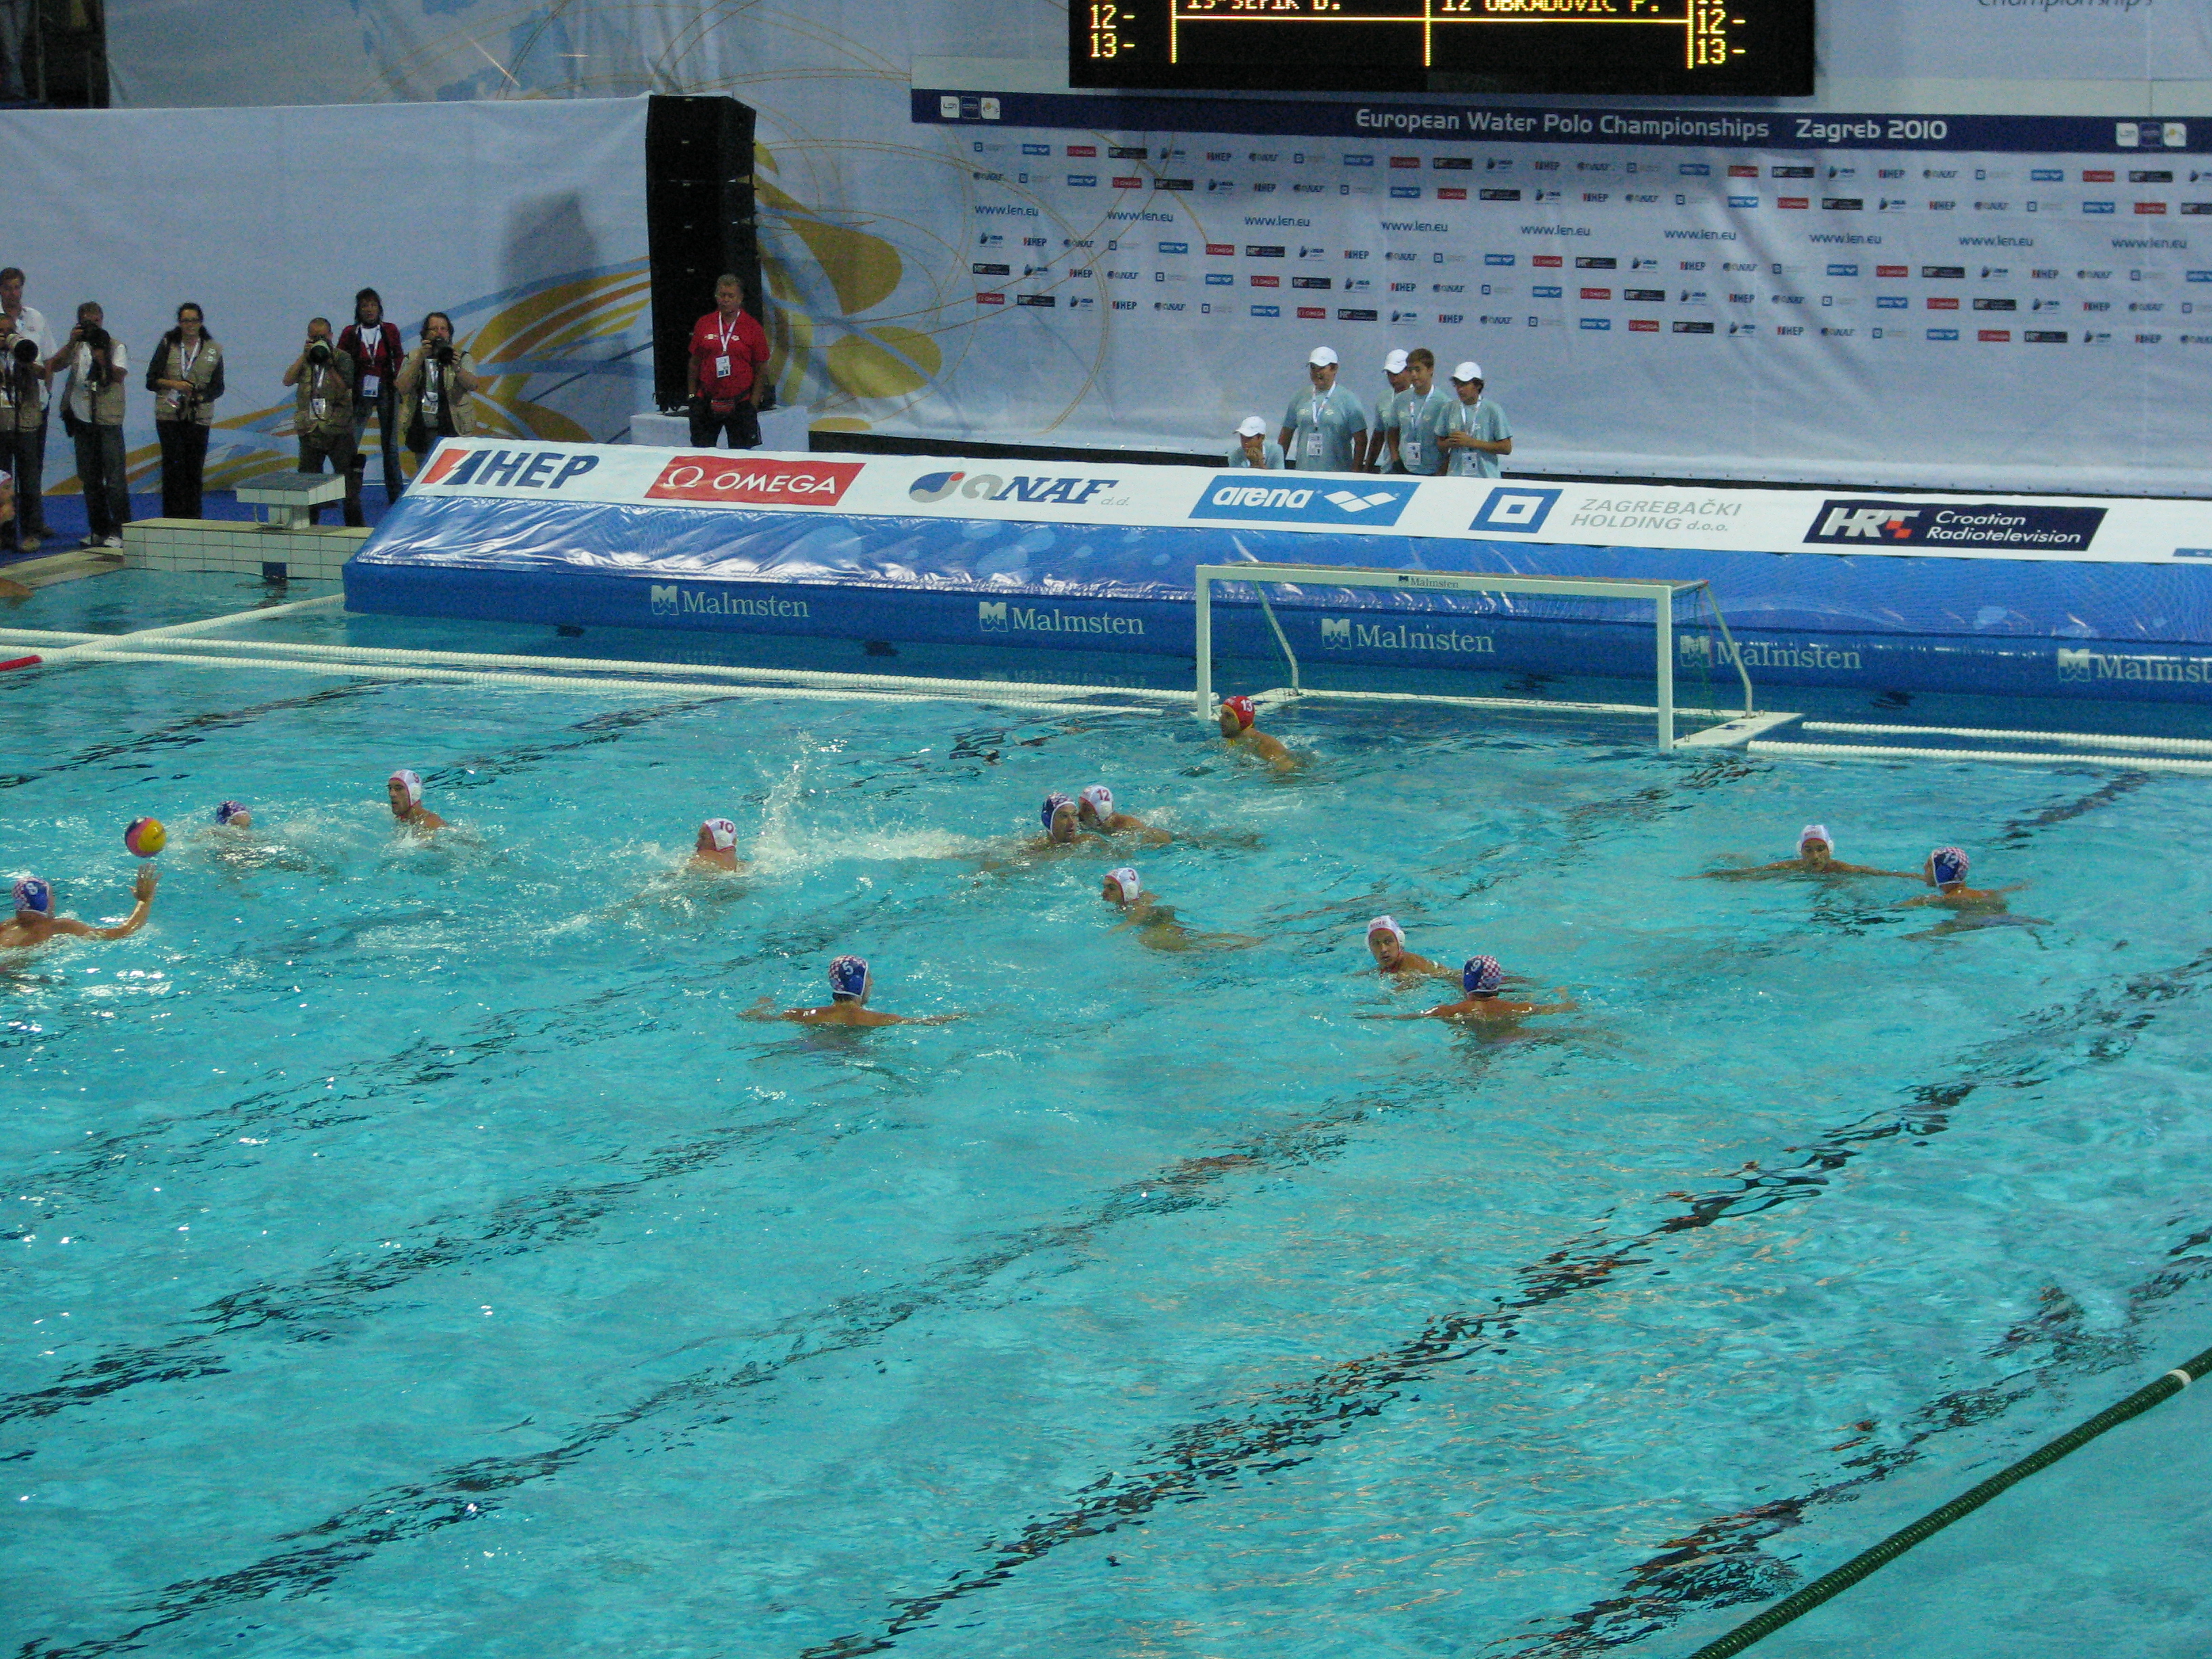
(325, 397)
(431, 393)
(22, 396)
(105, 401)
(174, 361)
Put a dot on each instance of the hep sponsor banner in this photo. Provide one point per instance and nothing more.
(1899, 525)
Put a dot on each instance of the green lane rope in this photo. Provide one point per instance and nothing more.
(1831, 1585)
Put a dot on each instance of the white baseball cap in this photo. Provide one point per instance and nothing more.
(1469, 370)
(1322, 357)
(1394, 363)
(1250, 426)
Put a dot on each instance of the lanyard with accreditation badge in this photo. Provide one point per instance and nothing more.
(1319, 409)
(189, 355)
(726, 330)
(1409, 429)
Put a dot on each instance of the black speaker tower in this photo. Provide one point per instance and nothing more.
(698, 222)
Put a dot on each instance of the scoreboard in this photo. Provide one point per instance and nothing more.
(1734, 48)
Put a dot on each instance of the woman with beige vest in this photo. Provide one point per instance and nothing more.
(185, 377)
(435, 384)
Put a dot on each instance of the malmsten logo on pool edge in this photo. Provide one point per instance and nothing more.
(673, 599)
(1873, 525)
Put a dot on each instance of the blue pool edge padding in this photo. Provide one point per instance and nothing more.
(2022, 628)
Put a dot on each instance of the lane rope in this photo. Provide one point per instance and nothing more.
(1867, 1562)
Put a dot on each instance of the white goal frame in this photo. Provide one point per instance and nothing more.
(1660, 593)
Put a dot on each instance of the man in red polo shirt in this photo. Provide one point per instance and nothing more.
(728, 351)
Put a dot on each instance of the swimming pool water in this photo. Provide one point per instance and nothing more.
(411, 1245)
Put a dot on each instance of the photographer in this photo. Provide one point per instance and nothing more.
(29, 325)
(324, 421)
(23, 418)
(376, 349)
(92, 414)
(728, 351)
(186, 377)
(435, 387)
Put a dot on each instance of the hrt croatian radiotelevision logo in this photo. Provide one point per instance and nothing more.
(1515, 510)
(1994, 525)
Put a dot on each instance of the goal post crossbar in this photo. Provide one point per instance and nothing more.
(1659, 593)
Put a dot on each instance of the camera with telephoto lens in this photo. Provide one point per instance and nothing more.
(98, 340)
(22, 377)
(442, 351)
(318, 352)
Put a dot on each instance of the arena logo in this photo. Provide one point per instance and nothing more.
(1701, 651)
(1955, 524)
(459, 468)
(1343, 634)
(990, 487)
(1003, 617)
(1375, 503)
(671, 601)
(785, 483)
(2080, 666)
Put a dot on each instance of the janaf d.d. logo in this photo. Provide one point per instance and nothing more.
(1061, 488)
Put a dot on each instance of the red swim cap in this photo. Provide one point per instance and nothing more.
(1242, 708)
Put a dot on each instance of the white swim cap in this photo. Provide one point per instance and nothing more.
(407, 780)
(1125, 879)
(1386, 925)
(1815, 832)
(1322, 357)
(1251, 427)
(1469, 370)
(724, 832)
(1101, 798)
(1394, 363)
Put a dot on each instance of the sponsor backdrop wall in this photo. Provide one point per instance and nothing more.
(1808, 292)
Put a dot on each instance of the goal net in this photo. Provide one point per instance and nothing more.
(1481, 640)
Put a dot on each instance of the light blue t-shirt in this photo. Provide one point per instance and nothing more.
(1387, 408)
(1486, 421)
(1418, 419)
(1271, 455)
(1323, 425)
